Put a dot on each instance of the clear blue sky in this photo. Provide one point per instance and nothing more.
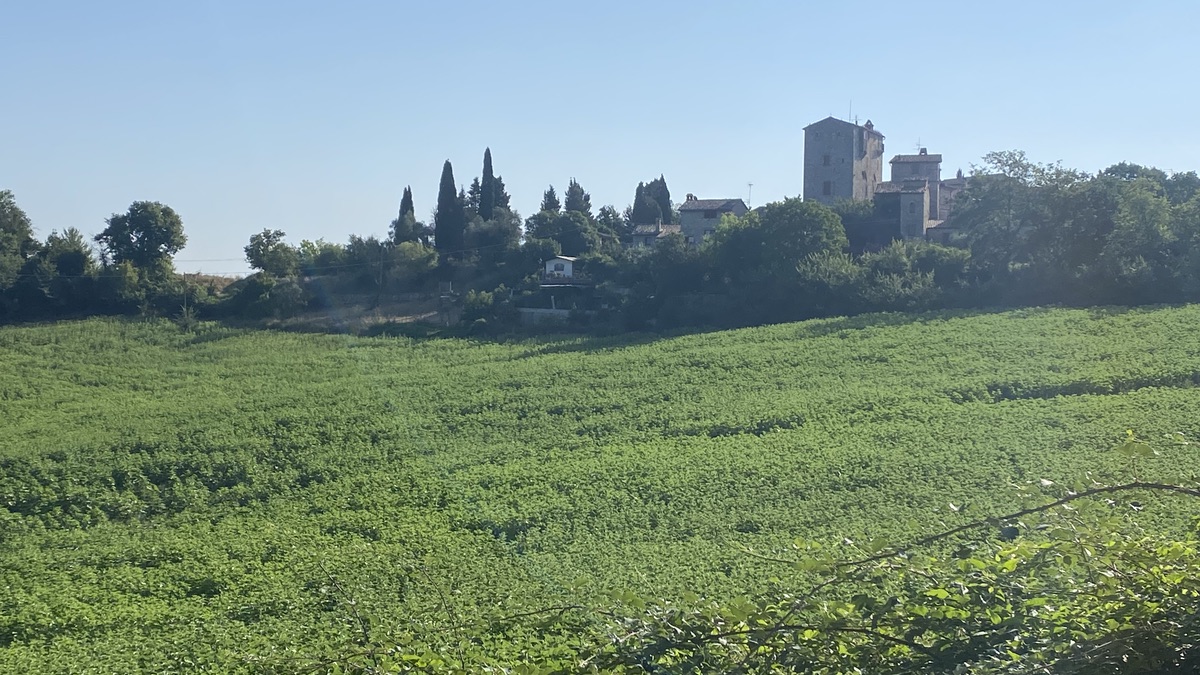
(311, 117)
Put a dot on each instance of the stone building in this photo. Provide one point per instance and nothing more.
(917, 199)
(698, 218)
(842, 160)
(648, 235)
(921, 167)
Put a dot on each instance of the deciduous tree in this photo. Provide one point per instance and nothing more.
(16, 238)
(147, 236)
(268, 252)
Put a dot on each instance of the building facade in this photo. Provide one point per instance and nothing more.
(842, 160)
(921, 167)
(646, 236)
(698, 218)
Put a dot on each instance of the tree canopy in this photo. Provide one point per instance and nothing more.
(147, 236)
(577, 199)
(268, 252)
(550, 201)
(16, 238)
(773, 239)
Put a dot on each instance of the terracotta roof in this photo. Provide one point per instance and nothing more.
(900, 159)
(710, 204)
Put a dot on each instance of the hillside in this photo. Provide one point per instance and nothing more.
(176, 501)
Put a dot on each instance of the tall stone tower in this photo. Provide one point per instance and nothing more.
(842, 160)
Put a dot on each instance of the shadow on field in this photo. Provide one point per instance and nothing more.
(823, 327)
(546, 343)
(216, 333)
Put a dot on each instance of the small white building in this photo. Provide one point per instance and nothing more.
(560, 267)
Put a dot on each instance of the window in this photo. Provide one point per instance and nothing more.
(912, 207)
(915, 169)
(826, 160)
(864, 175)
(827, 188)
(709, 215)
(560, 267)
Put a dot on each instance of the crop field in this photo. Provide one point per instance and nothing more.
(247, 500)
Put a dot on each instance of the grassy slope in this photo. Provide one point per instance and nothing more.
(176, 500)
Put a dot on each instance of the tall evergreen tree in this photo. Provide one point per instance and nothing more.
(550, 201)
(577, 199)
(406, 204)
(449, 222)
(501, 195)
(487, 195)
(475, 196)
(646, 210)
(657, 189)
(405, 227)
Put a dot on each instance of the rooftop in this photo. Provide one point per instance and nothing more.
(923, 157)
(655, 229)
(869, 126)
(693, 204)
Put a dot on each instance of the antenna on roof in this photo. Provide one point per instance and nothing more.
(749, 192)
(918, 143)
(850, 115)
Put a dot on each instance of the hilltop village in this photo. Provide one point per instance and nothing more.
(843, 161)
(859, 239)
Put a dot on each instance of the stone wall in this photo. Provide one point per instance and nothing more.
(841, 161)
(914, 213)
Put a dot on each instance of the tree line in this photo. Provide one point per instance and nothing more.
(1023, 233)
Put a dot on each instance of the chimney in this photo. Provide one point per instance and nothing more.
(691, 197)
(959, 174)
(924, 151)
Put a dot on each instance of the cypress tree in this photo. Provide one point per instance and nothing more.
(646, 210)
(487, 193)
(657, 189)
(406, 204)
(404, 227)
(449, 223)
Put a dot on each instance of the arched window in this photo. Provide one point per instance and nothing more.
(912, 207)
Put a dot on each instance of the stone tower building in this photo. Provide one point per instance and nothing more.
(842, 160)
(921, 166)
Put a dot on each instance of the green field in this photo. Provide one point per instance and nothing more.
(179, 501)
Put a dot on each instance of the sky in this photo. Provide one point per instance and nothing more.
(312, 117)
